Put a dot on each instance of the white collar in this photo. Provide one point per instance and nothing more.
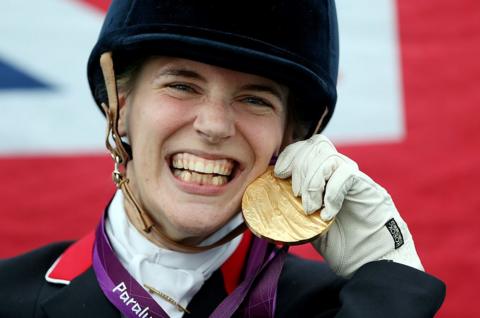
(179, 275)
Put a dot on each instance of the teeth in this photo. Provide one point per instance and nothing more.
(177, 163)
(217, 180)
(197, 164)
(207, 179)
(191, 165)
(209, 167)
(186, 176)
(199, 178)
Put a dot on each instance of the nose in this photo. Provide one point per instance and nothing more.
(215, 121)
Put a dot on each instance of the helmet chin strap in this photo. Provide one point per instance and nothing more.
(140, 219)
(319, 124)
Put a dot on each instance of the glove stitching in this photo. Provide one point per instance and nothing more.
(350, 178)
(310, 205)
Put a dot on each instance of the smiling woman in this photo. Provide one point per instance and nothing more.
(199, 101)
(219, 127)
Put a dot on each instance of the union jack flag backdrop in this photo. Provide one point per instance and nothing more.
(407, 113)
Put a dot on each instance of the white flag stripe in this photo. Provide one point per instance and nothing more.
(370, 104)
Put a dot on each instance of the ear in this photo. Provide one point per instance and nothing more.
(122, 115)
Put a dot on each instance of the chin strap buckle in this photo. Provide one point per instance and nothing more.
(118, 176)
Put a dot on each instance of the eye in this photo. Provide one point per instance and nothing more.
(182, 87)
(257, 101)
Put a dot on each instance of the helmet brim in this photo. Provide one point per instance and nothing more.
(312, 91)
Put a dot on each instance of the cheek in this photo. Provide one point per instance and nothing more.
(155, 119)
(265, 138)
(149, 126)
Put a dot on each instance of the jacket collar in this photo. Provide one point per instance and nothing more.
(77, 259)
(81, 295)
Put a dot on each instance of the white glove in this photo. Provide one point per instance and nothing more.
(367, 226)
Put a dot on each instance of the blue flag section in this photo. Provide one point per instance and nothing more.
(12, 77)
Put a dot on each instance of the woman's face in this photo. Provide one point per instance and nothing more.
(199, 135)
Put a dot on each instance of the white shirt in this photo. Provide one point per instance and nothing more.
(179, 275)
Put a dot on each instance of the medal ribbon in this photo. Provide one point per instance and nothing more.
(127, 295)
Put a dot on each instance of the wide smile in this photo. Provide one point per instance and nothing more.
(197, 170)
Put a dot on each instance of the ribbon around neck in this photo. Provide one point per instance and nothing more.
(259, 286)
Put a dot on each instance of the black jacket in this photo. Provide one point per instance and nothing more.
(306, 289)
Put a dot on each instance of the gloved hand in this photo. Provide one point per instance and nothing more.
(367, 226)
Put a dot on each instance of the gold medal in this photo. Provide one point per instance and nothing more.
(272, 211)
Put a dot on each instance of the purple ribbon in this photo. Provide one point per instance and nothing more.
(262, 299)
(127, 295)
(123, 291)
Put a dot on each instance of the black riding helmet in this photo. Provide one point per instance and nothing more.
(294, 42)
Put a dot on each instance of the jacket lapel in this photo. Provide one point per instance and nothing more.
(81, 298)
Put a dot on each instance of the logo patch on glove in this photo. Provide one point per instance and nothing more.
(394, 230)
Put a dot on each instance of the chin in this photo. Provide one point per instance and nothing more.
(196, 227)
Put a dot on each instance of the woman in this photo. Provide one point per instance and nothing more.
(200, 98)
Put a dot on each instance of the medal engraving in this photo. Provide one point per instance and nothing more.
(272, 211)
